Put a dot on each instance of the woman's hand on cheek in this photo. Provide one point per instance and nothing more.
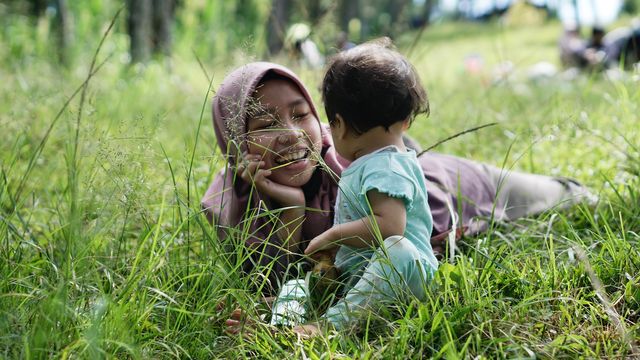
(252, 170)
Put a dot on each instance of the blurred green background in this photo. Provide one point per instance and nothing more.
(104, 251)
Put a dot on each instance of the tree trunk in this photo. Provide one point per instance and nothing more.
(426, 12)
(462, 4)
(315, 11)
(163, 11)
(139, 22)
(37, 7)
(395, 9)
(276, 25)
(348, 10)
(576, 12)
(63, 29)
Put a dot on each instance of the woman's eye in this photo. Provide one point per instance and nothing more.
(272, 124)
(300, 116)
(265, 122)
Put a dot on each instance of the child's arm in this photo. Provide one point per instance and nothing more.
(389, 215)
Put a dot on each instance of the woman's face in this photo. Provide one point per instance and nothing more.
(285, 132)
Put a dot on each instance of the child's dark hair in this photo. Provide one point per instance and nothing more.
(372, 85)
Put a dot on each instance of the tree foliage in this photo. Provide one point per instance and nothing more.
(212, 29)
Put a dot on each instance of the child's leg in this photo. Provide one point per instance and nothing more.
(528, 194)
(395, 270)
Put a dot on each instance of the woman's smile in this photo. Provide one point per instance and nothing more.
(286, 132)
(293, 156)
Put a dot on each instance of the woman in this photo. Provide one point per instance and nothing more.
(280, 185)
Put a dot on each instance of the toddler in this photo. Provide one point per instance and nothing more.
(382, 222)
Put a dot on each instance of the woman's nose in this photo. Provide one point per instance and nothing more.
(290, 135)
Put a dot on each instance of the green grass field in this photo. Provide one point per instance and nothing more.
(104, 251)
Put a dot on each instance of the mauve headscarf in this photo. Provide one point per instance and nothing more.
(237, 211)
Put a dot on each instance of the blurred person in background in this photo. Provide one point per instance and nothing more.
(302, 48)
(621, 46)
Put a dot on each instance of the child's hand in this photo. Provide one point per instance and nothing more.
(326, 254)
(251, 169)
(318, 243)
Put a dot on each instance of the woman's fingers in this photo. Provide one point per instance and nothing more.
(220, 305)
(252, 170)
(260, 177)
(247, 164)
(238, 323)
(249, 169)
(237, 314)
(232, 326)
(251, 166)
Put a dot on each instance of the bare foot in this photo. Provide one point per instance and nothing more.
(307, 330)
(237, 322)
(238, 319)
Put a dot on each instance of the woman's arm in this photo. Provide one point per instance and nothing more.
(290, 229)
(291, 199)
(388, 218)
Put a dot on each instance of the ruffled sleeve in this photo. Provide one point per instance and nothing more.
(391, 184)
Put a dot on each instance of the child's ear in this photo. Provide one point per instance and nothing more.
(406, 124)
(339, 128)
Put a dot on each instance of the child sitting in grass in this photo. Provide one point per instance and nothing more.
(382, 222)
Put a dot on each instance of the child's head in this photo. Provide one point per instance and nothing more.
(372, 85)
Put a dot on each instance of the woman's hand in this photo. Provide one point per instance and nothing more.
(251, 169)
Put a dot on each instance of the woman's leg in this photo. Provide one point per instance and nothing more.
(526, 194)
(396, 271)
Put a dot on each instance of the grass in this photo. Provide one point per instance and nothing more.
(104, 251)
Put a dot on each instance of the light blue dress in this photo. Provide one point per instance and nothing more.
(400, 267)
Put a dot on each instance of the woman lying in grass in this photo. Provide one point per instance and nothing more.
(280, 186)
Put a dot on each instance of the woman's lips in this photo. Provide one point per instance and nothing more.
(292, 157)
(297, 160)
(297, 165)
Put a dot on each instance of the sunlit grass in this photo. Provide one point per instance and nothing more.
(134, 270)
